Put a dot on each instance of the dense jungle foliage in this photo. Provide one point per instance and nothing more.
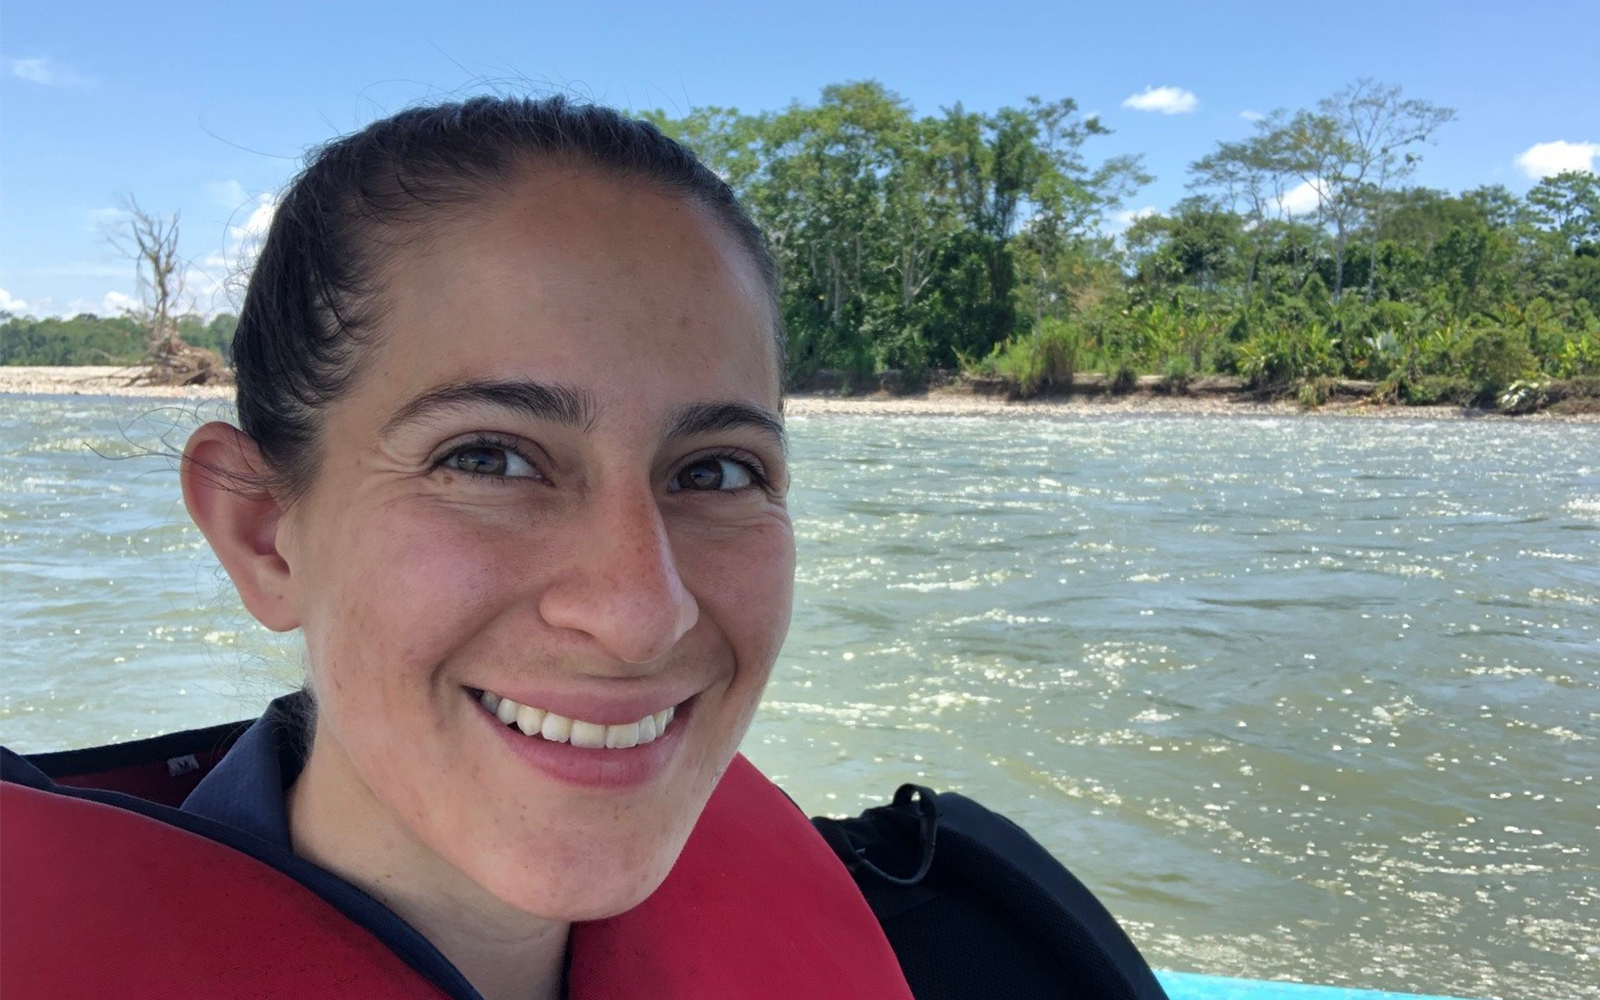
(87, 339)
(987, 243)
(982, 242)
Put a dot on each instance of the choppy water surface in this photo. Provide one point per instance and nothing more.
(1309, 698)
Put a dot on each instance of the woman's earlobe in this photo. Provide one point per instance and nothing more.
(225, 489)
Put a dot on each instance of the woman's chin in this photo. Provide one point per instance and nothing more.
(579, 897)
(577, 874)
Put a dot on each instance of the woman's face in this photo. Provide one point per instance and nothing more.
(559, 480)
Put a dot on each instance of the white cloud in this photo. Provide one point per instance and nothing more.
(115, 304)
(259, 220)
(1251, 116)
(1300, 199)
(1128, 216)
(216, 281)
(245, 239)
(1167, 100)
(229, 194)
(208, 284)
(102, 221)
(34, 70)
(47, 73)
(112, 304)
(1546, 159)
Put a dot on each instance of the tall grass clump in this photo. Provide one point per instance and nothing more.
(1045, 359)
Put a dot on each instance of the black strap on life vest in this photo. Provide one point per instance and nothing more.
(975, 907)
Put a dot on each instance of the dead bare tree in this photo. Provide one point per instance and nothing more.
(151, 240)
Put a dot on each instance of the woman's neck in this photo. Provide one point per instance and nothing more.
(335, 822)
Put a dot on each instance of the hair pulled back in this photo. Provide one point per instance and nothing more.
(316, 287)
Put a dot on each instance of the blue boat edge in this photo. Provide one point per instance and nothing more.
(1197, 986)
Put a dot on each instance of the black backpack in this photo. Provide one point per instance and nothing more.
(975, 907)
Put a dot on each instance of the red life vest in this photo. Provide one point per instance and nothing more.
(104, 902)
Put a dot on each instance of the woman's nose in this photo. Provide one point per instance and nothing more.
(621, 584)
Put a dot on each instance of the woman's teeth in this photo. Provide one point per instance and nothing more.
(560, 729)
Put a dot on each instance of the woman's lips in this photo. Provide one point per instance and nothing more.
(584, 753)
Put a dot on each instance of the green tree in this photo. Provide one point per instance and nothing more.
(1350, 151)
(1568, 205)
(84, 339)
(1246, 178)
(1199, 246)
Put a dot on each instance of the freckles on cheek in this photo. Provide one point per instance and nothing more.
(749, 590)
(415, 592)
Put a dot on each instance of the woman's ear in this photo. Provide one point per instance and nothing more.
(224, 487)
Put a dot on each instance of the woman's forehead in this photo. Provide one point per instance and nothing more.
(585, 282)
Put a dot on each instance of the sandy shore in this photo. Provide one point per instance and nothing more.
(950, 402)
(97, 380)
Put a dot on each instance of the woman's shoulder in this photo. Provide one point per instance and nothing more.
(99, 859)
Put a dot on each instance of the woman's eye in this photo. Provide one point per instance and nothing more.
(713, 474)
(489, 460)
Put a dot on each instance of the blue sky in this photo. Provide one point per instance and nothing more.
(206, 108)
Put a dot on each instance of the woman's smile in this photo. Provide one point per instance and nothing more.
(582, 752)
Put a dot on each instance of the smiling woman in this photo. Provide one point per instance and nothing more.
(502, 510)
(512, 461)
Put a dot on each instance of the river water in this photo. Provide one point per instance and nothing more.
(1313, 698)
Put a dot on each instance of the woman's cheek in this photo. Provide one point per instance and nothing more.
(415, 589)
(746, 582)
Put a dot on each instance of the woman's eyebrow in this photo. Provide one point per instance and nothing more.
(538, 400)
(575, 407)
(709, 418)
